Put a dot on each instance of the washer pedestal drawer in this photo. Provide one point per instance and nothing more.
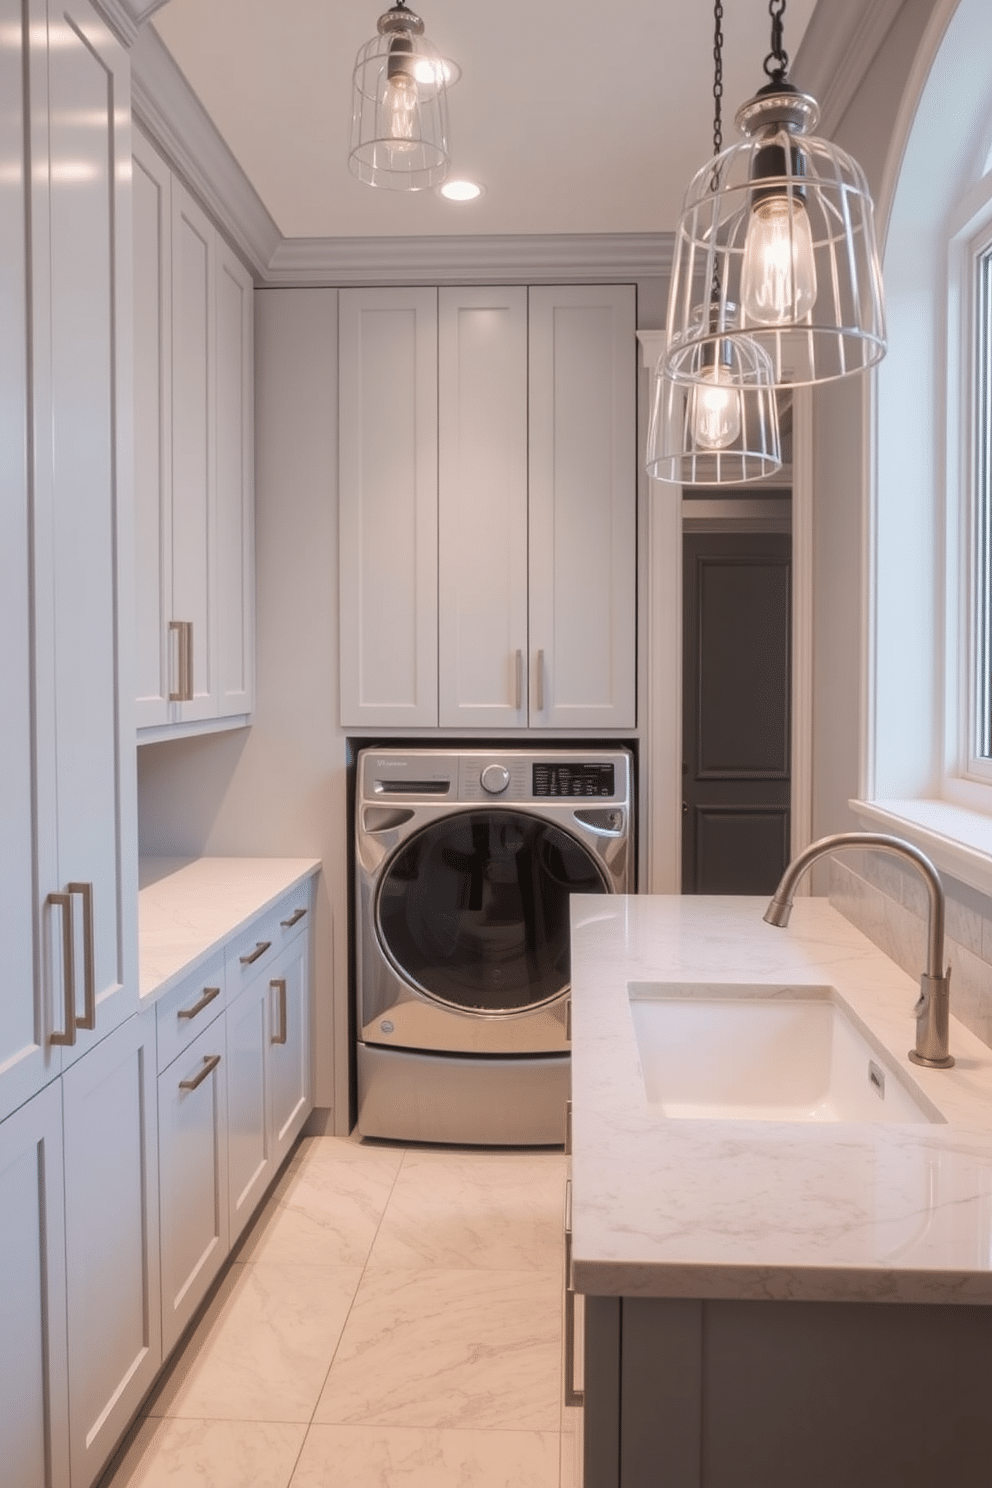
(481, 1101)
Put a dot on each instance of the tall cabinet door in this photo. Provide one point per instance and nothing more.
(194, 537)
(482, 508)
(113, 1299)
(83, 463)
(34, 1438)
(27, 1057)
(234, 570)
(388, 506)
(155, 654)
(583, 505)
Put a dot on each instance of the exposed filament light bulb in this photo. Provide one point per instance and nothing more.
(715, 411)
(778, 275)
(401, 96)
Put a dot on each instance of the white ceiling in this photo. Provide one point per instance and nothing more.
(581, 116)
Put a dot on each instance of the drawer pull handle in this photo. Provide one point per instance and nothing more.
(210, 1063)
(294, 919)
(68, 1036)
(261, 946)
(88, 1020)
(279, 985)
(572, 1395)
(209, 993)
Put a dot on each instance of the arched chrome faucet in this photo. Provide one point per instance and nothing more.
(933, 1007)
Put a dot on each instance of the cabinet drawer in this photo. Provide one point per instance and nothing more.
(252, 952)
(188, 1009)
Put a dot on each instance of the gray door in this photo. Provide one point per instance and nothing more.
(735, 712)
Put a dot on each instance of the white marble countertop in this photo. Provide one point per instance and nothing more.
(898, 1212)
(188, 907)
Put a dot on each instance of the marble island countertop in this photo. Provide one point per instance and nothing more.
(831, 1211)
(188, 907)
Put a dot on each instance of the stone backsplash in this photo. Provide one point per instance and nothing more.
(887, 902)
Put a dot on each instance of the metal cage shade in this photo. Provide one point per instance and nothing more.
(684, 448)
(828, 319)
(399, 122)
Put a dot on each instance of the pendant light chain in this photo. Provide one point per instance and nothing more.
(777, 62)
(717, 118)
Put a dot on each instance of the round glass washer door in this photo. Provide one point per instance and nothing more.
(473, 909)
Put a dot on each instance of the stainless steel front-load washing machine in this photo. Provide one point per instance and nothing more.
(465, 860)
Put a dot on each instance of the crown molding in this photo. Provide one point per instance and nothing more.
(506, 259)
(838, 47)
(165, 104)
(119, 18)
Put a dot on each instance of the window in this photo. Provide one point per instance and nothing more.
(980, 679)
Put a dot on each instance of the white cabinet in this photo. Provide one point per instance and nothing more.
(194, 462)
(111, 1219)
(193, 1145)
(583, 512)
(388, 506)
(488, 581)
(34, 1424)
(482, 508)
(68, 859)
(269, 1074)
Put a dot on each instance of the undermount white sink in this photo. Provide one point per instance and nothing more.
(763, 1053)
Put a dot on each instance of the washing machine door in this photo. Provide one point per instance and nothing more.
(473, 909)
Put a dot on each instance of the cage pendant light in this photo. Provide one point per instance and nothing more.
(399, 121)
(714, 422)
(784, 222)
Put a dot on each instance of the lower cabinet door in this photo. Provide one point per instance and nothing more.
(289, 1050)
(250, 1165)
(113, 1300)
(34, 1423)
(192, 1127)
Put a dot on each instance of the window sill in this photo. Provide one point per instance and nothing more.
(956, 838)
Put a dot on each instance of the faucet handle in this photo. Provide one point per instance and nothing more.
(932, 1022)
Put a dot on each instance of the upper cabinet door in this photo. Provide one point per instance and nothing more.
(26, 1056)
(583, 505)
(482, 508)
(194, 537)
(388, 507)
(154, 656)
(234, 577)
(83, 466)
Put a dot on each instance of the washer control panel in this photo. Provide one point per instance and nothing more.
(555, 778)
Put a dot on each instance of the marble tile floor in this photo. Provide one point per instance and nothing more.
(393, 1317)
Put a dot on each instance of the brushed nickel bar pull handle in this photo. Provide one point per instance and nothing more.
(210, 1063)
(189, 662)
(64, 903)
(572, 1395)
(568, 1128)
(178, 694)
(568, 1020)
(540, 681)
(520, 681)
(261, 946)
(88, 1020)
(209, 993)
(294, 919)
(279, 983)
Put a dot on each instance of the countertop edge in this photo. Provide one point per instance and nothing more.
(302, 869)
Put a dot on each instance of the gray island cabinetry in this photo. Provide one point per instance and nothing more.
(770, 1301)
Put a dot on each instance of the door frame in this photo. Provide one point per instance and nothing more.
(661, 789)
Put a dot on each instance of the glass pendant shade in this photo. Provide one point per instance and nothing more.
(399, 121)
(717, 424)
(784, 223)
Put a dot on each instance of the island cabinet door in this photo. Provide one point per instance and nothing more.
(112, 1240)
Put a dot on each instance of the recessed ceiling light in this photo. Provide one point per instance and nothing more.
(460, 191)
